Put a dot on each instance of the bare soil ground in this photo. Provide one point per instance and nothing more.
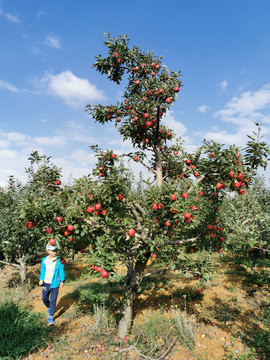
(225, 310)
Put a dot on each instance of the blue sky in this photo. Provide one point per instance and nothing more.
(47, 48)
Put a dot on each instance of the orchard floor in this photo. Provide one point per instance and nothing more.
(228, 314)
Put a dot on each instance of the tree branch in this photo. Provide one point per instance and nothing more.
(184, 241)
(157, 271)
(198, 181)
(262, 249)
(140, 208)
(140, 161)
(10, 264)
(143, 356)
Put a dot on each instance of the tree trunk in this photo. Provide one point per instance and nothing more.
(21, 268)
(159, 179)
(22, 271)
(133, 280)
(253, 263)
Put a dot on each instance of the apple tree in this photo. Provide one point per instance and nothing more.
(167, 219)
(247, 222)
(19, 240)
(177, 214)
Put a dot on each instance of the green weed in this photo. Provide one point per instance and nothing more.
(21, 330)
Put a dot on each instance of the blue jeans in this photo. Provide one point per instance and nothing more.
(49, 297)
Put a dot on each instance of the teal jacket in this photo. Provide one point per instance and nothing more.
(58, 275)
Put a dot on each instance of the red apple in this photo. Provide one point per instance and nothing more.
(173, 197)
(131, 232)
(30, 224)
(104, 274)
(145, 115)
(188, 162)
(48, 230)
(66, 233)
(241, 191)
(63, 261)
(70, 228)
(98, 269)
(220, 186)
(58, 182)
(176, 89)
(90, 209)
(121, 197)
(104, 212)
(169, 100)
(187, 216)
(59, 218)
(160, 206)
(97, 206)
(236, 184)
(137, 82)
(52, 242)
(240, 176)
(155, 206)
(185, 195)
(167, 223)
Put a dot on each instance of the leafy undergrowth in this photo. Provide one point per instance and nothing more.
(228, 318)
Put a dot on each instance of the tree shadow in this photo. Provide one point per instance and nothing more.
(63, 305)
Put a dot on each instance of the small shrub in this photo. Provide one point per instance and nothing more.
(260, 279)
(160, 332)
(94, 294)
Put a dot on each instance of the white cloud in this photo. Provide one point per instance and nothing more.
(4, 143)
(223, 85)
(178, 127)
(83, 158)
(56, 141)
(80, 133)
(41, 13)
(10, 17)
(223, 137)
(242, 111)
(74, 90)
(53, 41)
(17, 137)
(203, 108)
(7, 86)
(16, 147)
(249, 106)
